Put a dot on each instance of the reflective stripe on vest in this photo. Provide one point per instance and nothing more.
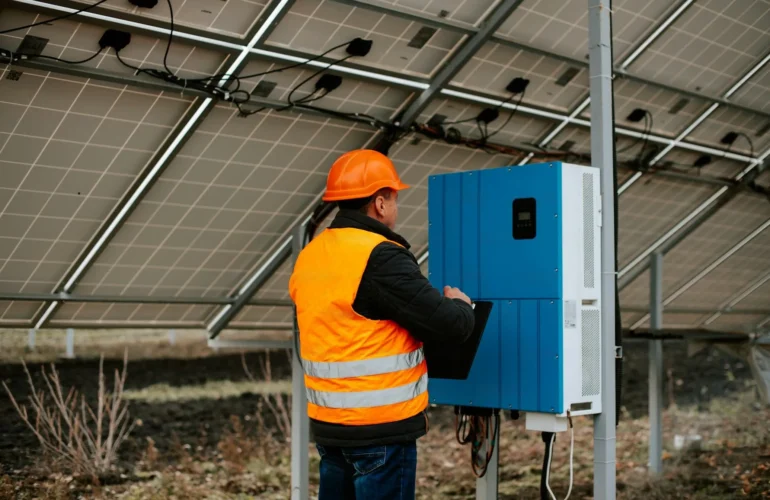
(369, 399)
(363, 368)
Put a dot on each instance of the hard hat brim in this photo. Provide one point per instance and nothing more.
(356, 194)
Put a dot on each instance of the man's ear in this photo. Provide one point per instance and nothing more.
(379, 205)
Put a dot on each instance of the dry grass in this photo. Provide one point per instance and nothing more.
(734, 462)
(276, 403)
(73, 436)
(251, 460)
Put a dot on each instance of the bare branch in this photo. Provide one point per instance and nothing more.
(71, 434)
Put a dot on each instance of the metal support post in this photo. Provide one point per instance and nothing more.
(70, 341)
(486, 487)
(31, 339)
(656, 365)
(300, 425)
(600, 65)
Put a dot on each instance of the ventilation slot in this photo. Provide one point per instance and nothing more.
(678, 106)
(421, 38)
(264, 88)
(567, 76)
(588, 231)
(591, 351)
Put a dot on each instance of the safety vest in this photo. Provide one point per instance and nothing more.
(357, 371)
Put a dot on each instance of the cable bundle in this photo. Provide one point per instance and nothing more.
(482, 432)
(546, 493)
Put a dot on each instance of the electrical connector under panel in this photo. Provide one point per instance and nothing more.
(637, 115)
(328, 82)
(517, 85)
(488, 115)
(6, 56)
(118, 40)
(702, 161)
(545, 422)
(359, 47)
(729, 138)
(144, 4)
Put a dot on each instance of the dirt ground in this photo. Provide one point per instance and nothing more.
(187, 443)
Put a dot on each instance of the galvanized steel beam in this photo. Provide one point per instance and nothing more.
(602, 147)
(655, 366)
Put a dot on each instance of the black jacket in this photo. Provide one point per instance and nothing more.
(393, 288)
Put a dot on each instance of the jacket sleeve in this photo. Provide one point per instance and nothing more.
(405, 296)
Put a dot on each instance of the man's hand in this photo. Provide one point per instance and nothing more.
(455, 293)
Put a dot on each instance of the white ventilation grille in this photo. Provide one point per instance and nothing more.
(589, 277)
(591, 351)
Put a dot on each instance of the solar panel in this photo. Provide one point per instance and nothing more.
(563, 26)
(712, 45)
(17, 313)
(495, 65)
(311, 26)
(650, 207)
(74, 140)
(232, 17)
(221, 205)
(730, 277)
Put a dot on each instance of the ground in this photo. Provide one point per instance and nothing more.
(203, 430)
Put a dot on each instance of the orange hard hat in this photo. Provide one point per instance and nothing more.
(359, 174)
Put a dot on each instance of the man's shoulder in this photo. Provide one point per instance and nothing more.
(389, 253)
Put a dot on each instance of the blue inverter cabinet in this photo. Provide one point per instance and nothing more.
(527, 239)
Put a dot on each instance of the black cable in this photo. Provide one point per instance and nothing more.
(548, 437)
(748, 139)
(307, 99)
(221, 91)
(640, 157)
(482, 134)
(303, 82)
(219, 76)
(475, 118)
(170, 37)
(312, 97)
(510, 116)
(58, 18)
(66, 61)
(482, 431)
(645, 132)
(129, 66)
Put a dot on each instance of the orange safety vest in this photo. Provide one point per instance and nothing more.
(357, 371)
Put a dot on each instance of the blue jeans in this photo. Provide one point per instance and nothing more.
(368, 473)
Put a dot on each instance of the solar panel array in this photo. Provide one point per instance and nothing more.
(130, 202)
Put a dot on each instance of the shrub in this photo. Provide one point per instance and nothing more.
(74, 436)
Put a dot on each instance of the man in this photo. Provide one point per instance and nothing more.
(364, 310)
